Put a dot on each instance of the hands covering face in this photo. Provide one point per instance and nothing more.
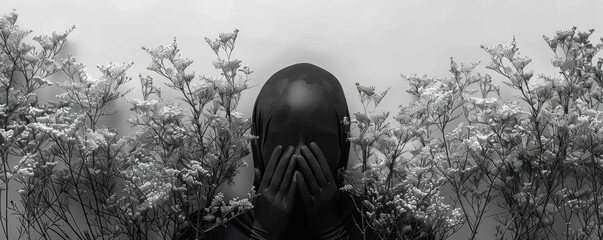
(278, 190)
(319, 193)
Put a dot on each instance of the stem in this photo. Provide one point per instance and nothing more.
(79, 194)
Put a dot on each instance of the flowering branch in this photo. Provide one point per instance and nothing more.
(177, 160)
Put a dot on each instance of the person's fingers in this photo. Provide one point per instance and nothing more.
(303, 188)
(290, 197)
(280, 168)
(322, 160)
(314, 165)
(269, 171)
(310, 181)
(284, 186)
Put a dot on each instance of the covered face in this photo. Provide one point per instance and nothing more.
(298, 105)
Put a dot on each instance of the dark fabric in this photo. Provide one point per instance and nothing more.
(298, 105)
(240, 229)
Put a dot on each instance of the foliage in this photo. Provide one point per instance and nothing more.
(396, 187)
(538, 160)
(80, 180)
(177, 159)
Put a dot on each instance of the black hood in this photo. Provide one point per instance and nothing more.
(300, 104)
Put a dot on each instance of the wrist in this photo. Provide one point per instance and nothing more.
(334, 226)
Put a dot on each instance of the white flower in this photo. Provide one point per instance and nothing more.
(25, 172)
(368, 90)
(378, 117)
(346, 188)
(6, 134)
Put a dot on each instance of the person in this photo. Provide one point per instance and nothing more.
(300, 120)
(302, 144)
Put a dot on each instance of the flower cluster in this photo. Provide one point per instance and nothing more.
(397, 189)
(536, 148)
(68, 135)
(461, 134)
(80, 179)
(520, 156)
(28, 127)
(181, 153)
(220, 212)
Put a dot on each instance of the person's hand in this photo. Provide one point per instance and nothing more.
(319, 193)
(277, 190)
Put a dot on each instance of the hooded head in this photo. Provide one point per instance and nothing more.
(298, 105)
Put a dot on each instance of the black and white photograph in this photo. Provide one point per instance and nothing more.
(326, 120)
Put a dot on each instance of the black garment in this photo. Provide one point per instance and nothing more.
(298, 105)
(240, 229)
